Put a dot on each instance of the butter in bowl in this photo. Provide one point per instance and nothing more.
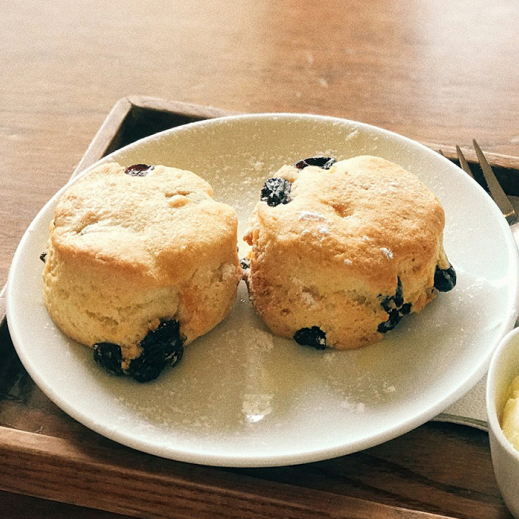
(502, 400)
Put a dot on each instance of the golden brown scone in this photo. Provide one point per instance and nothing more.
(140, 261)
(342, 250)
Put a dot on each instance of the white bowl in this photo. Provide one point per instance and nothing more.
(504, 367)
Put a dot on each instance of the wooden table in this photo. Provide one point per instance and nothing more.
(442, 72)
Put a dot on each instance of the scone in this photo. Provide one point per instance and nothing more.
(140, 262)
(341, 251)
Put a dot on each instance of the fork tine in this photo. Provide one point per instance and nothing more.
(496, 191)
(463, 162)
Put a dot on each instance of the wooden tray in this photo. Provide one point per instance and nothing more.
(437, 470)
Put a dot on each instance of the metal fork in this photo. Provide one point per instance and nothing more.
(494, 187)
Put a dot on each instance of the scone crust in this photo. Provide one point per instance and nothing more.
(126, 251)
(343, 243)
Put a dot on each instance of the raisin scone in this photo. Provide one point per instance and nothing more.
(140, 262)
(341, 251)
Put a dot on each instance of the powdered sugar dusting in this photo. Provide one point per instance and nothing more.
(329, 356)
(255, 406)
(258, 165)
(309, 215)
(308, 298)
(352, 406)
(387, 252)
(387, 388)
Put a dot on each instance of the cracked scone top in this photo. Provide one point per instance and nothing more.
(341, 251)
(140, 261)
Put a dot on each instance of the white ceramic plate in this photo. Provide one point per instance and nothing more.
(241, 397)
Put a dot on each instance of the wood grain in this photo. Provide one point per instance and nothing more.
(438, 72)
(19, 506)
(127, 482)
(43, 450)
(136, 117)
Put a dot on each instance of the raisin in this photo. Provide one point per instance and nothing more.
(109, 356)
(160, 346)
(276, 191)
(444, 279)
(405, 309)
(395, 308)
(148, 365)
(393, 302)
(176, 356)
(166, 334)
(321, 162)
(43, 256)
(313, 336)
(138, 170)
(394, 319)
(399, 294)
